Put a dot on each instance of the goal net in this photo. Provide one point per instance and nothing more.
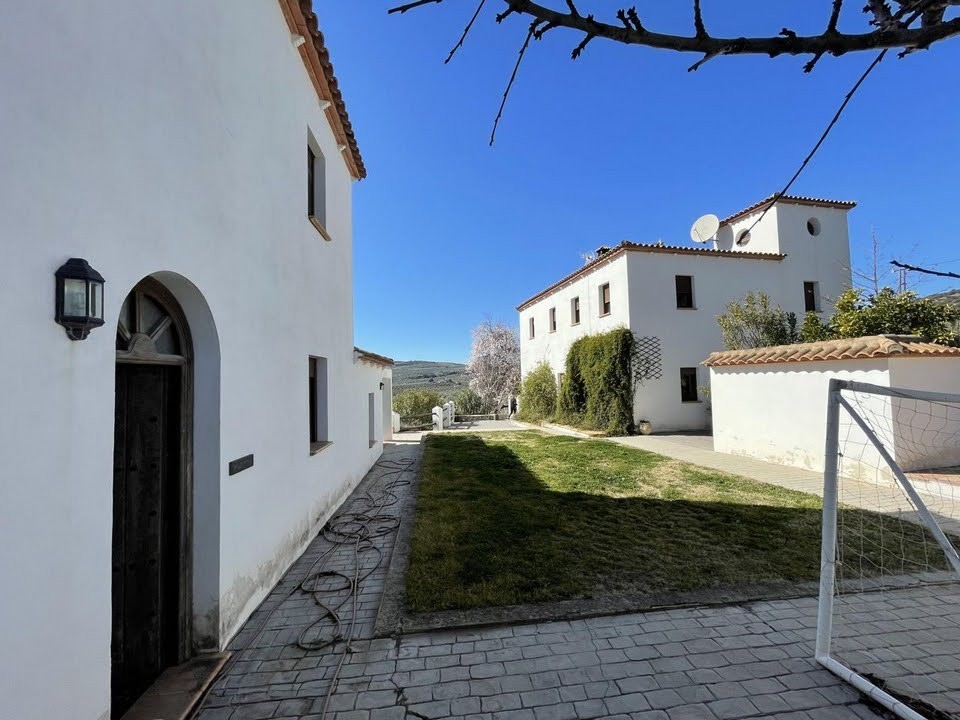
(889, 616)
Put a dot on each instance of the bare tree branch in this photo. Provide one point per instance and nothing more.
(914, 268)
(698, 20)
(889, 30)
(411, 5)
(513, 76)
(466, 31)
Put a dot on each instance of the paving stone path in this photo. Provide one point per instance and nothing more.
(713, 663)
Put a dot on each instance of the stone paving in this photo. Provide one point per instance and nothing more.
(749, 661)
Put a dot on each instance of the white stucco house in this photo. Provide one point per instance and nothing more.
(771, 403)
(160, 475)
(669, 296)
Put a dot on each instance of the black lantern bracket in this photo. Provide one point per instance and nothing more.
(79, 298)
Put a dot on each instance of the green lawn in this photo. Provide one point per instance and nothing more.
(506, 518)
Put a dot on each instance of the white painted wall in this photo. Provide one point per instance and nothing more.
(647, 281)
(926, 435)
(183, 157)
(777, 412)
(552, 346)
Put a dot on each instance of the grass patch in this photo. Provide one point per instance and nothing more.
(521, 517)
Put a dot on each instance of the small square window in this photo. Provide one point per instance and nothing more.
(688, 384)
(684, 285)
(575, 311)
(811, 296)
(533, 329)
(319, 430)
(605, 299)
(552, 324)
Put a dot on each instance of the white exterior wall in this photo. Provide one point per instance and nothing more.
(162, 139)
(777, 412)
(371, 375)
(687, 336)
(553, 347)
(926, 435)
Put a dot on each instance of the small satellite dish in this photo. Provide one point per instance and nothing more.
(705, 228)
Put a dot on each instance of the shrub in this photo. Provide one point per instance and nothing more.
(538, 395)
(416, 402)
(597, 392)
(467, 402)
(753, 323)
(892, 313)
(814, 329)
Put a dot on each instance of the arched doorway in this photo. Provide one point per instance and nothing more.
(152, 493)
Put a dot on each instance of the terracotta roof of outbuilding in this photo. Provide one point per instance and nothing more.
(791, 200)
(627, 246)
(373, 357)
(301, 20)
(872, 346)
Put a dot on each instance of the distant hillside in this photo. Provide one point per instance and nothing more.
(950, 297)
(446, 378)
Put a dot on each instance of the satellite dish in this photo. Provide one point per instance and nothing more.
(705, 228)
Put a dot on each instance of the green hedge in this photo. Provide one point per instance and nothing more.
(597, 391)
(538, 395)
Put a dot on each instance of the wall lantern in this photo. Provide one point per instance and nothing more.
(79, 298)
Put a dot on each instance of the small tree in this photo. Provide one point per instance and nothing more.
(467, 402)
(891, 313)
(754, 322)
(814, 329)
(494, 365)
(538, 398)
(416, 402)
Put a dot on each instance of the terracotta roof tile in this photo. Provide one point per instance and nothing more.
(373, 357)
(872, 346)
(790, 200)
(303, 21)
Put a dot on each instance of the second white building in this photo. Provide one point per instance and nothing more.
(670, 296)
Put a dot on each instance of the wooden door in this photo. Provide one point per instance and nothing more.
(146, 529)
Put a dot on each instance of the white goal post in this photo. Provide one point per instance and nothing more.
(875, 437)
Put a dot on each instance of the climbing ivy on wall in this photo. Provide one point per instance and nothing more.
(597, 389)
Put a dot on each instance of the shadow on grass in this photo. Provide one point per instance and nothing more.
(526, 517)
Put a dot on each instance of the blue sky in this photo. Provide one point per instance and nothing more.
(622, 144)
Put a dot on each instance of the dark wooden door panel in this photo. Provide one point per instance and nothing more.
(146, 528)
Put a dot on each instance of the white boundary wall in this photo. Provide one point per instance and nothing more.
(776, 412)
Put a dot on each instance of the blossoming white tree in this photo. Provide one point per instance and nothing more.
(494, 365)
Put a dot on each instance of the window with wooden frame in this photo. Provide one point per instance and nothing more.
(318, 397)
(552, 320)
(533, 329)
(317, 188)
(684, 286)
(605, 299)
(575, 311)
(811, 296)
(372, 419)
(688, 385)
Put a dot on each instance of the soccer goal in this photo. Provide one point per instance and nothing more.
(889, 612)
